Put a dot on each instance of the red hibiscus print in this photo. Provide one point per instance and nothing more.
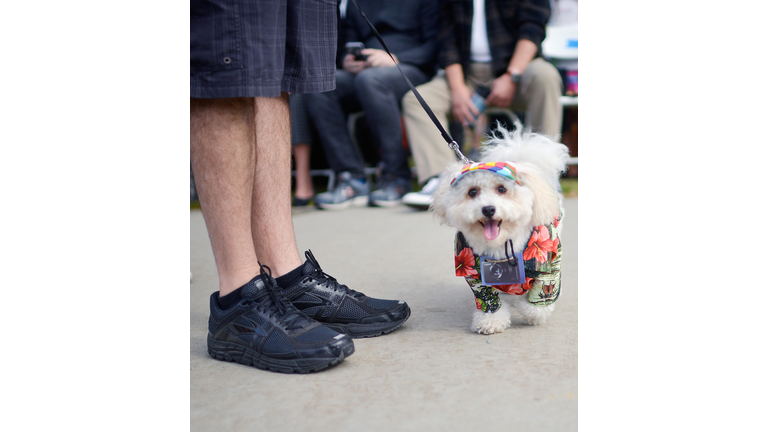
(465, 263)
(540, 244)
(554, 247)
(516, 289)
(527, 284)
(556, 222)
(511, 289)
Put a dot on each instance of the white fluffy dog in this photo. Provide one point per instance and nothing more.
(507, 202)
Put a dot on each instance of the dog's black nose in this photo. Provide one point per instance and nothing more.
(489, 211)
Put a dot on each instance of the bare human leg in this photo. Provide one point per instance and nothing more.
(272, 224)
(304, 189)
(224, 145)
(223, 155)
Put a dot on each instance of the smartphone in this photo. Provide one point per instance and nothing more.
(355, 48)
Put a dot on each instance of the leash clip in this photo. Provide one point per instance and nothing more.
(455, 147)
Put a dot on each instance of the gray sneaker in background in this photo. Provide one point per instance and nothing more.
(391, 191)
(349, 191)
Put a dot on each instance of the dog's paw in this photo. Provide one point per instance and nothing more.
(490, 323)
(532, 315)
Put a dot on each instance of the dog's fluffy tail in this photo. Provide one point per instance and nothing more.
(522, 145)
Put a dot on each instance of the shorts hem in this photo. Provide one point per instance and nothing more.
(274, 89)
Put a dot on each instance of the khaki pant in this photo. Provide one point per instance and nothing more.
(538, 95)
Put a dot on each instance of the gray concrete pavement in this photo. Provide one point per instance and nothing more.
(432, 374)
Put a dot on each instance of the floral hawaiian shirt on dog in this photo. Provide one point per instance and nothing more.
(542, 269)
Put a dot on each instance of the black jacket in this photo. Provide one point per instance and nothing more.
(408, 27)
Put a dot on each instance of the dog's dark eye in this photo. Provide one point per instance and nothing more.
(472, 192)
(502, 189)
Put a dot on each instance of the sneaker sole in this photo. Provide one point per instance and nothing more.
(360, 201)
(361, 331)
(386, 203)
(417, 205)
(231, 352)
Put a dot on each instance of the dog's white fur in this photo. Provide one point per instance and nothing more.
(539, 161)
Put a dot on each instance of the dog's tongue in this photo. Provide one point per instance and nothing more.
(491, 229)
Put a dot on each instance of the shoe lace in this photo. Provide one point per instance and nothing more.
(273, 303)
(327, 280)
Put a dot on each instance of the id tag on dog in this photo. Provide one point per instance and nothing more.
(503, 271)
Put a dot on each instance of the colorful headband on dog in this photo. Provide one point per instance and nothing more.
(506, 169)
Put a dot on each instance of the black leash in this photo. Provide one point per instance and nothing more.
(447, 137)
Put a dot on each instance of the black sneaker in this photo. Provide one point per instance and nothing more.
(322, 298)
(266, 331)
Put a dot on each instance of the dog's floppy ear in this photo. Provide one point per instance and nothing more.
(439, 206)
(546, 204)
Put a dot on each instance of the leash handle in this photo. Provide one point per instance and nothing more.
(446, 136)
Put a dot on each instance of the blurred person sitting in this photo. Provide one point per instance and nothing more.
(491, 43)
(373, 84)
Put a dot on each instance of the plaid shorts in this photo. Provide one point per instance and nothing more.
(241, 48)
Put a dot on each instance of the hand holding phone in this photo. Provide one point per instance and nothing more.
(355, 49)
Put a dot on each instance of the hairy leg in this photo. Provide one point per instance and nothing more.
(223, 156)
(271, 223)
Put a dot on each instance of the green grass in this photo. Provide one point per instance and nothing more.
(570, 187)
